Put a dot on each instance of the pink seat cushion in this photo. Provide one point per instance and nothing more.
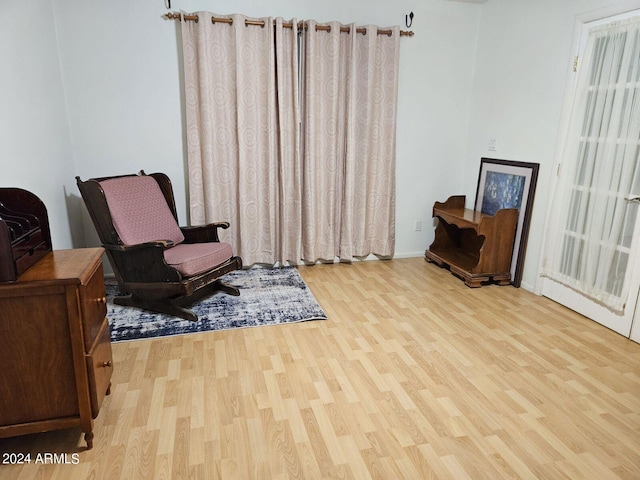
(139, 210)
(193, 258)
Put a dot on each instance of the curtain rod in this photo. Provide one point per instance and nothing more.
(259, 23)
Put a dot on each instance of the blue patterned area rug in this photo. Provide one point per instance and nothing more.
(268, 296)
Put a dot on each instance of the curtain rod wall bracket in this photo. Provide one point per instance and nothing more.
(408, 19)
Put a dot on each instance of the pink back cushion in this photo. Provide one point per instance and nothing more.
(139, 210)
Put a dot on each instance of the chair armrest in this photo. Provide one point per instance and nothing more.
(162, 244)
(203, 233)
(144, 263)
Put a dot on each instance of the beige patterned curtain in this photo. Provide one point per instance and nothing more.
(334, 195)
(349, 124)
(241, 90)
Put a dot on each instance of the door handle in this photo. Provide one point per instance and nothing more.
(633, 198)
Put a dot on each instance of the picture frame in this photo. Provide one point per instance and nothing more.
(509, 184)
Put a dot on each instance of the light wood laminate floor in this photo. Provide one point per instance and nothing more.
(414, 376)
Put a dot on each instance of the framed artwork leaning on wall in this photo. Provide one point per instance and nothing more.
(509, 184)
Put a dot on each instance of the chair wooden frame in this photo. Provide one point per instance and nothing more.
(141, 270)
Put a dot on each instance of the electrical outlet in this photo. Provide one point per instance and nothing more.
(417, 225)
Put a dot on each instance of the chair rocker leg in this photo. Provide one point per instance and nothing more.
(205, 292)
(167, 306)
(228, 289)
(176, 307)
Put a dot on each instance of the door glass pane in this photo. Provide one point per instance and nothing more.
(600, 221)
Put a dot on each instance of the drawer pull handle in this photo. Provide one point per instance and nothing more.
(102, 301)
(106, 364)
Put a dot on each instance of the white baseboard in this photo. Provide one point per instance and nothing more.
(409, 254)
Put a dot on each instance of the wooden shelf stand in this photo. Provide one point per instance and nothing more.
(475, 246)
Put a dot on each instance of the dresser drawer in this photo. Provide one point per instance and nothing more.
(26, 243)
(30, 256)
(93, 299)
(100, 367)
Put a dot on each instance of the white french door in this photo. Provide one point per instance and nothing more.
(591, 261)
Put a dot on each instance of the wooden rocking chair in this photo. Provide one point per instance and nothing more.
(159, 265)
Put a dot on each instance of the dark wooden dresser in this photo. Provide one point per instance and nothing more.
(55, 346)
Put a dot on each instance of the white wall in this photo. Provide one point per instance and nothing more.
(35, 145)
(121, 68)
(525, 56)
(470, 73)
